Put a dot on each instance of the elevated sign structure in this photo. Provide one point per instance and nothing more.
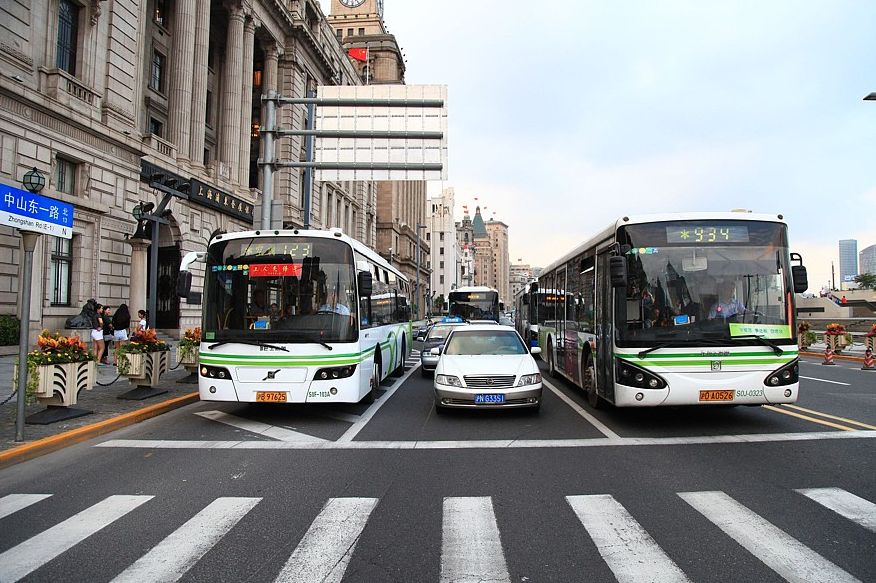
(29, 211)
(384, 142)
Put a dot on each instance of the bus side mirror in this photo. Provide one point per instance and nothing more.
(365, 284)
(533, 287)
(184, 284)
(801, 279)
(617, 267)
(525, 300)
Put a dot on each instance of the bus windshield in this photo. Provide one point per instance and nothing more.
(282, 289)
(481, 305)
(690, 280)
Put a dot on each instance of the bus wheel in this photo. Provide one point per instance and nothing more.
(552, 369)
(588, 374)
(375, 383)
(402, 358)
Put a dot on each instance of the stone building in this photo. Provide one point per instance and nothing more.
(107, 99)
(483, 253)
(520, 275)
(501, 275)
(446, 252)
(401, 205)
(465, 241)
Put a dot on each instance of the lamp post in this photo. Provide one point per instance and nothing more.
(143, 213)
(419, 295)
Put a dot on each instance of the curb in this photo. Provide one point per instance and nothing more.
(836, 356)
(80, 434)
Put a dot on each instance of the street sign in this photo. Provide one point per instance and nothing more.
(29, 211)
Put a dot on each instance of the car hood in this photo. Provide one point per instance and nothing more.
(505, 364)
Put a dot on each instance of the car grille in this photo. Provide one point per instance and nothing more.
(489, 381)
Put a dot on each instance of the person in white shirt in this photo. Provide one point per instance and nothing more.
(727, 305)
(332, 305)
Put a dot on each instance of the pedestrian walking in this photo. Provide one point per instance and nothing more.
(107, 333)
(97, 332)
(121, 324)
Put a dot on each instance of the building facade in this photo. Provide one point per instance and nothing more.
(501, 274)
(848, 259)
(520, 275)
(108, 100)
(867, 259)
(446, 252)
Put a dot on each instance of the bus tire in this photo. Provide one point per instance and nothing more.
(588, 380)
(371, 396)
(552, 369)
(400, 369)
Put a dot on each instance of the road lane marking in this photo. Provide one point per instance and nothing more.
(325, 551)
(826, 381)
(491, 444)
(627, 548)
(845, 504)
(778, 550)
(599, 425)
(808, 418)
(170, 559)
(12, 503)
(257, 427)
(471, 548)
(359, 425)
(27, 557)
(849, 421)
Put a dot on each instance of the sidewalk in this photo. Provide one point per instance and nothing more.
(102, 400)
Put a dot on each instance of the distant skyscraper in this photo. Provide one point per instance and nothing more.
(867, 259)
(848, 259)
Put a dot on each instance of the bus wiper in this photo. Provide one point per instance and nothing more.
(250, 342)
(777, 350)
(660, 346)
(697, 339)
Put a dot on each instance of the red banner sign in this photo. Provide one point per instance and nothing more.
(275, 270)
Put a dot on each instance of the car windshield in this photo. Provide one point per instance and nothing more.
(485, 342)
(440, 332)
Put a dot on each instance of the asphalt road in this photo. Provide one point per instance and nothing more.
(223, 492)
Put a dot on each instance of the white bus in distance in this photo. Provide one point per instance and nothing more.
(295, 316)
(474, 304)
(678, 309)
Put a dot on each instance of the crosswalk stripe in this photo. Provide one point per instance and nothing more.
(168, 561)
(471, 549)
(36, 551)
(627, 548)
(324, 552)
(12, 503)
(845, 504)
(774, 547)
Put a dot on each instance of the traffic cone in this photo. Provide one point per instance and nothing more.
(828, 356)
(869, 360)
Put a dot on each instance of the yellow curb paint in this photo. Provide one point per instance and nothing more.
(808, 418)
(835, 355)
(834, 417)
(80, 434)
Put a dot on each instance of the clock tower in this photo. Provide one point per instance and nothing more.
(358, 24)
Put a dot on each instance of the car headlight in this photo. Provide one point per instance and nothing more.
(446, 379)
(529, 379)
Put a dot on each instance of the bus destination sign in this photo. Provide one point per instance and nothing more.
(694, 233)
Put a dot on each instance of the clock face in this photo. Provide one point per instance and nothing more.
(352, 3)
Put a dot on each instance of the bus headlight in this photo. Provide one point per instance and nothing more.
(634, 376)
(787, 375)
(335, 372)
(215, 372)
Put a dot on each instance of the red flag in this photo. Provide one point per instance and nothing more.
(358, 54)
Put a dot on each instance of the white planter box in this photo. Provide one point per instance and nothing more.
(187, 357)
(147, 367)
(60, 384)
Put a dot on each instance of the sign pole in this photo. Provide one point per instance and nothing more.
(308, 171)
(29, 241)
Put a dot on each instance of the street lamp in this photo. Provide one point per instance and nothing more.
(34, 181)
(871, 97)
(419, 295)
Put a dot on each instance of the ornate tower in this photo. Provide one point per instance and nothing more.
(359, 26)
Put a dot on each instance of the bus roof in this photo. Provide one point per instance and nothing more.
(609, 232)
(473, 289)
(357, 246)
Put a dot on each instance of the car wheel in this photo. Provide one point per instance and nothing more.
(375, 383)
(552, 369)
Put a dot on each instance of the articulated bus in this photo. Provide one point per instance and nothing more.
(475, 303)
(680, 309)
(295, 316)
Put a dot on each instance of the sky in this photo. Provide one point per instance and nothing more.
(566, 115)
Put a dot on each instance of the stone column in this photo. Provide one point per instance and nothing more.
(199, 81)
(229, 150)
(181, 71)
(139, 276)
(269, 78)
(246, 102)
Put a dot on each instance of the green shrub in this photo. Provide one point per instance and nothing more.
(9, 330)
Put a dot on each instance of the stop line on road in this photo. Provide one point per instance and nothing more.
(472, 547)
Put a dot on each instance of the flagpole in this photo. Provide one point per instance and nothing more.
(367, 64)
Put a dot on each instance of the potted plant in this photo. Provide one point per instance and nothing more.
(836, 336)
(870, 338)
(58, 369)
(804, 340)
(188, 347)
(143, 358)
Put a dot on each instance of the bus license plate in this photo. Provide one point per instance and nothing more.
(270, 397)
(489, 399)
(725, 395)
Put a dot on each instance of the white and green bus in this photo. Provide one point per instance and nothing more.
(295, 316)
(677, 309)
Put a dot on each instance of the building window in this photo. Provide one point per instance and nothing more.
(61, 271)
(156, 79)
(340, 33)
(441, 279)
(441, 251)
(349, 32)
(361, 32)
(206, 156)
(440, 265)
(441, 237)
(65, 175)
(159, 15)
(208, 109)
(68, 36)
(156, 128)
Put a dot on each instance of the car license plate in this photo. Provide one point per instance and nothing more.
(489, 399)
(270, 397)
(722, 395)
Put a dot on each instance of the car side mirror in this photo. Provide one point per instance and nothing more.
(436, 351)
(617, 267)
(535, 350)
(184, 284)
(801, 279)
(366, 285)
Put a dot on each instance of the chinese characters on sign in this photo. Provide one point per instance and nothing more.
(212, 197)
(264, 269)
(33, 212)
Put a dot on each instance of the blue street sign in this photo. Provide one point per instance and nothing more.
(33, 212)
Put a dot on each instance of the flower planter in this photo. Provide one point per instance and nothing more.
(836, 341)
(60, 384)
(146, 368)
(870, 342)
(802, 341)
